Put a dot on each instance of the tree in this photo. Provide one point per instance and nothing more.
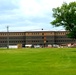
(65, 16)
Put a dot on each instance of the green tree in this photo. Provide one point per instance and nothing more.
(65, 16)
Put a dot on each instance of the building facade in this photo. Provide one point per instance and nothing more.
(42, 38)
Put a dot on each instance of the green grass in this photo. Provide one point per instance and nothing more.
(38, 61)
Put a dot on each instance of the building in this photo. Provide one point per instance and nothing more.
(14, 38)
(42, 38)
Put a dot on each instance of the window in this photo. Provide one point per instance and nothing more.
(42, 37)
(46, 41)
(51, 33)
(42, 33)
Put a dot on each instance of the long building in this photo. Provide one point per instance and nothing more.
(42, 38)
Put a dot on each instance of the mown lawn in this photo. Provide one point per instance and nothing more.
(38, 61)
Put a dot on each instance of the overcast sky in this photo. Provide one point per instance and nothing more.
(27, 15)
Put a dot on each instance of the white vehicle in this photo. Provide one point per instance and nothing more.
(28, 46)
(12, 46)
(36, 46)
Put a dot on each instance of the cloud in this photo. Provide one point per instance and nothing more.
(9, 12)
(7, 5)
(22, 15)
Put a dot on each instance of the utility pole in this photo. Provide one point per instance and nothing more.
(7, 37)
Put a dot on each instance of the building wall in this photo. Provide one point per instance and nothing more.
(14, 38)
(35, 37)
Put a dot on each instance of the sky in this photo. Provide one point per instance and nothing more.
(28, 15)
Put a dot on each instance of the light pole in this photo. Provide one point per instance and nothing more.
(7, 37)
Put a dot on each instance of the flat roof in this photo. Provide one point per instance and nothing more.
(31, 31)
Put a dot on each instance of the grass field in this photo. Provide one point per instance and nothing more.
(38, 61)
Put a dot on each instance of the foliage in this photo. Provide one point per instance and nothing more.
(66, 16)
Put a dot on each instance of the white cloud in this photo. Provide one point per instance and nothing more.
(35, 8)
(28, 14)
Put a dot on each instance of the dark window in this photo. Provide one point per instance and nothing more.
(42, 33)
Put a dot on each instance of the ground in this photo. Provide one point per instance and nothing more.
(38, 61)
